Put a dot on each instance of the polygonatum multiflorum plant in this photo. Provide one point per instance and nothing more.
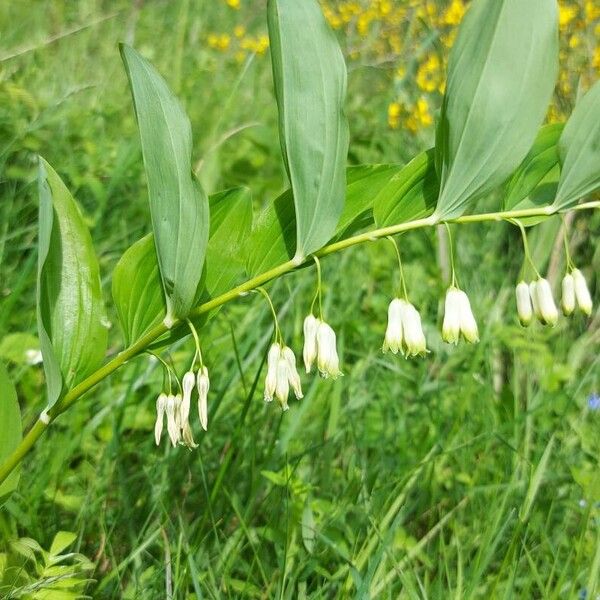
(206, 250)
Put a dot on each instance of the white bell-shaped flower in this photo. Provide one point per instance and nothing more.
(545, 301)
(161, 406)
(203, 383)
(188, 383)
(393, 335)
(271, 378)
(468, 324)
(293, 376)
(309, 354)
(282, 387)
(524, 307)
(414, 338)
(534, 300)
(172, 411)
(582, 293)
(567, 299)
(328, 361)
(451, 324)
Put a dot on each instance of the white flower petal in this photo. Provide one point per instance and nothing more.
(524, 307)
(309, 353)
(582, 293)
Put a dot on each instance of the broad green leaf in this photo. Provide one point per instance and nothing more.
(579, 151)
(501, 76)
(178, 204)
(137, 290)
(70, 308)
(230, 227)
(274, 237)
(537, 175)
(309, 74)
(410, 194)
(11, 430)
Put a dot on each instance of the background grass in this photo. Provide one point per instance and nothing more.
(473, 473)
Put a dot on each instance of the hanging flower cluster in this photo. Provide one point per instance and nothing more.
(536, 299)
(404, 334)
(176, 407)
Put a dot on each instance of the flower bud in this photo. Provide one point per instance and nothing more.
(271, 378)
(567, 300)
(311, 324)
(327, 356)
(547, 308)
(203, 383)
(393, 335)
(161, 405)
(582, 293)
(188, 383)
(451, 324)
(293, 377)
(414, 338)
(524, 307)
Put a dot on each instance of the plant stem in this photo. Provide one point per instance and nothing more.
(251, 284)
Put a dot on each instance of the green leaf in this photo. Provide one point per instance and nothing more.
(537, 175)
(137, 290)
(11, 430)
(62, 540)
(230, 228)
(309, 74)
(410, 194)
(70, 308)
(579, 151)
(178, 204)
(274, 237)
(501, 76)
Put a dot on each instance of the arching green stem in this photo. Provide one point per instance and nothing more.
(141, 345)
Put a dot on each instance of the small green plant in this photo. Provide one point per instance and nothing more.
(206, 250)
(29, 572)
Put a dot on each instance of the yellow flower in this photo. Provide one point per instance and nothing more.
(454, 13)
(566, 14)
(428, 74)
(592, 10)
(596, 59)
(394, 110)
(233, 3)
(574, 41)
(213, 40)
(224, 41)
(422, 112)
(239, 31)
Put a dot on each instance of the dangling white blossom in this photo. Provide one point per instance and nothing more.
(172, 410)
(451, 324)
(271, 378)
(458, 318)
(524, 307)
(567, 299)
(534, 301)
(161, 405)
(468, 325)
(414, 338)
(188, 383)
(282, 388)
(582, 293)
(293, 376)
(393, 335)
(309, 354)
(328, 361)
(548, 313)
(203, 383)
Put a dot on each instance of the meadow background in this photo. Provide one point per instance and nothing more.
(473, 473)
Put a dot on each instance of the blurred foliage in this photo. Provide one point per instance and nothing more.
(405, 477)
